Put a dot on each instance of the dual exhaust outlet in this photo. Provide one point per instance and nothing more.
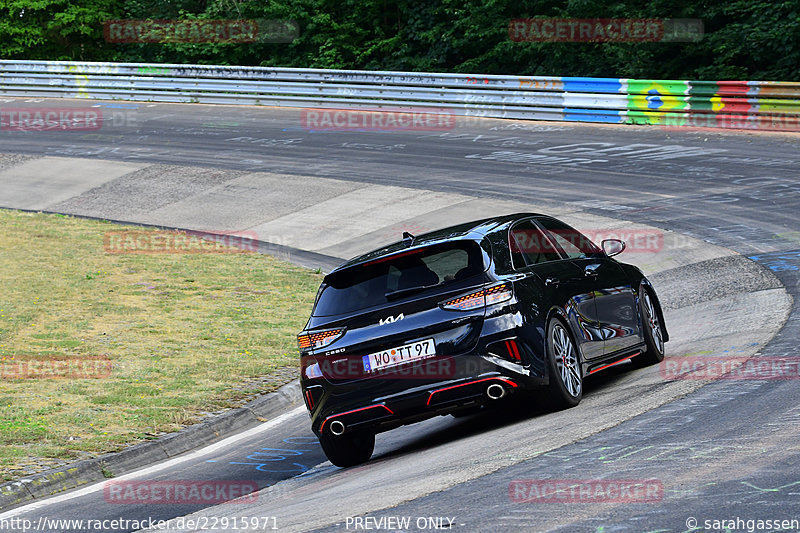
(495, 391)
(337, 427)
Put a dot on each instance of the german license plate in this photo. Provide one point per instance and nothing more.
(399, 355)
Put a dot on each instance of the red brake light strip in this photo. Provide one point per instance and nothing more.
(393, 256)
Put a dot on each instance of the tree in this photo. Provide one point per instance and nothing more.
(744, 39)
(56, 29)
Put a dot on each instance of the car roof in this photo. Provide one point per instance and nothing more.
(475, 230)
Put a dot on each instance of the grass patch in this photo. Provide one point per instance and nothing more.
(186, 335)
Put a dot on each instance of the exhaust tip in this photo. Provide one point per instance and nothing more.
(337, 427)
(495, 391)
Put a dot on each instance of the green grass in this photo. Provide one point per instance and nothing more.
(186, 334)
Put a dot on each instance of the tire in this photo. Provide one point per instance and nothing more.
(565, 388)
(651, 331)
(348, 449)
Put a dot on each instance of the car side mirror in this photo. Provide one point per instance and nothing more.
(613, 247)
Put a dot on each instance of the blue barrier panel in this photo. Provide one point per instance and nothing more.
(594, 115)
(592, 85)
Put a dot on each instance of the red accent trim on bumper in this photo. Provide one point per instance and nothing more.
(310, 400)
(507, 381)
(614, 363)
(322, 427)
(512, 348)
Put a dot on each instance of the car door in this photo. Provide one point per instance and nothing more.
(562, 282)
(615, 299)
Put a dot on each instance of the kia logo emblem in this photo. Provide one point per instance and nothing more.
(390, 319)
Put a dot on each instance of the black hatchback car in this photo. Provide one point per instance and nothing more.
(445, 322)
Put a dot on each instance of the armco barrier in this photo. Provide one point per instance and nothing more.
(732, 104)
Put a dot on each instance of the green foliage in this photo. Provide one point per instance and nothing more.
(55, 29)
(744, 39)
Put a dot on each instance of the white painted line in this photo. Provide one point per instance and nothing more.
(97, 487)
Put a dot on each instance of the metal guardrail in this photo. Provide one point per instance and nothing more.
(761, 104)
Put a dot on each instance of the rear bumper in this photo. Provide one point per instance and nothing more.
(381, 403)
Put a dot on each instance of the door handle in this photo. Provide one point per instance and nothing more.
(552, 281)
(591, 270)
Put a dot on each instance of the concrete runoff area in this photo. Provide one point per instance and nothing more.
(42, 182)
(328, 216)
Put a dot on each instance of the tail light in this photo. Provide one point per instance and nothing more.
(318, 339)
(483, 297)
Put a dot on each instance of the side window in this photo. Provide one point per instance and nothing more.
(574, 243)
(529, 246)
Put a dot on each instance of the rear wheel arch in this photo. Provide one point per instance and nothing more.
(558, 396)
(558, 313)
(651, 328)
(657, 304)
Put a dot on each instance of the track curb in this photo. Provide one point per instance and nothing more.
(15, 493)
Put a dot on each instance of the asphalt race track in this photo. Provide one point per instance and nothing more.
(717, 450)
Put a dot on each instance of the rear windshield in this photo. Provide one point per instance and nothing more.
(399, 276)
